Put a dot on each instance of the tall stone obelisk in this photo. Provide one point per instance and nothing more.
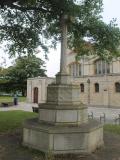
(63, 68)
(62, 125)
(63, 76)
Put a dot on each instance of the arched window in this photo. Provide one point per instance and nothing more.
(82, 87)
(96, 87)
(117, 87)
(102, 67)
(75, 69)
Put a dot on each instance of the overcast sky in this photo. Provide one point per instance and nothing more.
(111, 10)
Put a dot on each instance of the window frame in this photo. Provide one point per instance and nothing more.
(75, 69)
(82, 88)
(117, 87)
(97, 87)
(101, 67)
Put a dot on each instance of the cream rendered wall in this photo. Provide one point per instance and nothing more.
(41, 83)
(106, 96)
(70, 59)
(32, 83)
(86, 69)
(29, 90)
(114, 96)
(116, 66)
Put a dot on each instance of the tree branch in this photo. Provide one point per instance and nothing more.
(29, 8)
(12, 5)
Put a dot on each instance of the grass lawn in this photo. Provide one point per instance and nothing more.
(12, 120)
(10, 99)
(112, 128)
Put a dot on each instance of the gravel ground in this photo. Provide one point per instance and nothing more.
(11, 149)
(11, 144)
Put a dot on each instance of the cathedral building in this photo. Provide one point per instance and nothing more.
(99, 81)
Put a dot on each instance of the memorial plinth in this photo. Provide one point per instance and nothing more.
(62, 125)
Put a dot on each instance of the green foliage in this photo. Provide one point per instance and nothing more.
(10, 99)
(26, 67)
(14, 78)
(27, 24)
(12, 120)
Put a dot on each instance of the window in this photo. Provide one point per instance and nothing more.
(108, 68)
(102, 67)
(117, 87)
(75, 69)
(96, 87)
(82, 87)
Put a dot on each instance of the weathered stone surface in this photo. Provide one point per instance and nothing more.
(63, 94)
(63, 106)
(80, 135)
(47, 115)
(64, 116)
(63, 79)
(63, 123)
(60, 139)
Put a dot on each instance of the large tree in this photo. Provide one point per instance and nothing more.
(27, 24)
(14, 78)
(5, 85)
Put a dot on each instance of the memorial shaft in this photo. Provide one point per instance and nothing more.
(63, 60)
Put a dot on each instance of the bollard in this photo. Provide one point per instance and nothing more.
(103, 117)
(90, 115)
(117, 120)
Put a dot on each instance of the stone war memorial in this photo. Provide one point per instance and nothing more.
(62, 125)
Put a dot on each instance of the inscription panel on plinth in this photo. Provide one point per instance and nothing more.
(35, 138)
(47, 115)
(66, 116)
(52, 94)
(83, 115)
(76, 94)
(70, 141)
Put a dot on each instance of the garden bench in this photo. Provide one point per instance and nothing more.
(35, 109)
(6, 104)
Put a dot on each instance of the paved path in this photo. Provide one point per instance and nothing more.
(21, 106)
(110, 113)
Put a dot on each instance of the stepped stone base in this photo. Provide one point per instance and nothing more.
(63, 114)
(62, 125)
(83, 138)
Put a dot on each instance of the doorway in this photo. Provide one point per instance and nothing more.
(35, 95)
